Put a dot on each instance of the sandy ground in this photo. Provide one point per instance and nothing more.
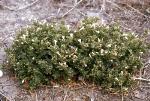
(15, 14)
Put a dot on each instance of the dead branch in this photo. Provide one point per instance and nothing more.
(141, 79)
(65, 96)
(72, 8)
(138, 11)
(81, 13)
(115, 5)
(5, 7)
(6, 99)
(25, 7)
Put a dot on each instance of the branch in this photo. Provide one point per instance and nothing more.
(11, 9)
(138, 11)
(115, 5)
(72, 8)
(141, 79)
(29, 5)
(3, 96)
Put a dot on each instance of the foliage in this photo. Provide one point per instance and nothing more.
(101, 54)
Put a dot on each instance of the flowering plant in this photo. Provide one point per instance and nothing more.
(101, 54)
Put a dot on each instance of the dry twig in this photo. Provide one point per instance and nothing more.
(142, 79)
(29, 5)
(12, 9)
(65, 96)
(115, 5)
(6, 99)
(138, 11)
(72, 8)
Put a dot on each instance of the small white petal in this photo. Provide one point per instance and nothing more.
(109, 45)
(97, 31)
(33, 58)
(125, 34)
(63, 37)
(99, 40)
(71, 35)
(79, 40)
(55, 42)
(102, 51)
(23, 81)
(116, 79)
(68, 27)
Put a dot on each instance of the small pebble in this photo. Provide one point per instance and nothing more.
(1, 73)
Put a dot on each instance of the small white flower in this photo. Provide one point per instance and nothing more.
(126, 37)
(52, 25)
(65, 63)
(23, 81)
(116, 79)
(97, 31)
(31, 47)
(68, 27)
(109, 45)
(90, 56)
(133, 33)
(32, 40)
(125, 34)
(121, 72)
(69, 79)
(115, 53)
(85, 65)
(141, 52)
(103, 21)
(71, 35)
(58, 53)
(99, 40)
(63, 37)
(111, 60)
(23, 37)
(93, 53)
(33, 58)
(38, 29)
(55, 42)
(1, 73)
(126, 89)
(79, 40)
(102, 51)
(106, 52)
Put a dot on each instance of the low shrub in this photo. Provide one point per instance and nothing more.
(101, 54)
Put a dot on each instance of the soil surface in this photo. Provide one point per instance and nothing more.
(15, 14)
